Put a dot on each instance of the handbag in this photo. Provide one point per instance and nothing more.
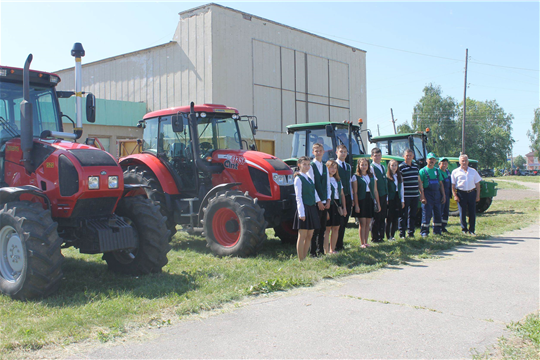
(339, 209)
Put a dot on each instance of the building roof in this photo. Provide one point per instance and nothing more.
(196, 10)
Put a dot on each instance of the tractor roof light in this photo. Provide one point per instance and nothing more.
(428, 130)
(203, 114)
(55, 79)
(360, 121)
(3, 72)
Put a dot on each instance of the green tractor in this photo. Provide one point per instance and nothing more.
(394, 145)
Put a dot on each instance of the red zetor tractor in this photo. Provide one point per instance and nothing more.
(201, 166)
(56, 193)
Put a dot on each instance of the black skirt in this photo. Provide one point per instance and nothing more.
(366, 208)
(312, 219)
(335, 218)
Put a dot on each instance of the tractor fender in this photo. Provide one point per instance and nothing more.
(212, 192)
(163, 175)
(13, 193)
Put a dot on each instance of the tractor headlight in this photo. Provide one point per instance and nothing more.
(113, 182)
(280, 179)
(93, 182)
(290, 179)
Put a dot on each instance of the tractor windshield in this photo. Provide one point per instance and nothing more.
(45, 109)
(304, 139)
(219, 132)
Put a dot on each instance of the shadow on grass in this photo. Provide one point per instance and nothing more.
(84, 281)
(498, 212)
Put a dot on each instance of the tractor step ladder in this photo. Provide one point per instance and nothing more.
(191, 214)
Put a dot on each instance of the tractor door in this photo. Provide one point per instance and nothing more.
(175, 149)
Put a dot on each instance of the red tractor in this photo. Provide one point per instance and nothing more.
(201, 166)
(56, 193)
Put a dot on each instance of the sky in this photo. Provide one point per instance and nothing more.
(409, 45)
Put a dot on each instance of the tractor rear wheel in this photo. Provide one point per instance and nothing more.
(483, 204)
(286, 233)
(453, 209)
(30, 256)
(149, 227)
(143, 175)
(234, 224)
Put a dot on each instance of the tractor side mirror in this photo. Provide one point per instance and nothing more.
(91, 108)
(177, 123)
(369, 135)
(329, 131)
(254, 127)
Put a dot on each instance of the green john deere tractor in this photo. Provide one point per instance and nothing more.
(392, 145)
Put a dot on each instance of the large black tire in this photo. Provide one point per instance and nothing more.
(143, 175)
(286, 233)
(234, 224)
(149, 227)
(483, 204)
(30, 255)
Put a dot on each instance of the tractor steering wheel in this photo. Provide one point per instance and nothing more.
(205, 147)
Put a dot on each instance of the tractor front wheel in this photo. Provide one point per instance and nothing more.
(149, 228)
(142, 175)
(483, 204)
(30, 256)
(234, 224)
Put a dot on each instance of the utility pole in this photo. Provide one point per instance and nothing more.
(378, 130)
(393, 121)
(464, 103)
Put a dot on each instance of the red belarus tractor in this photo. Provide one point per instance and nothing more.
(201, 166)
(56, 193)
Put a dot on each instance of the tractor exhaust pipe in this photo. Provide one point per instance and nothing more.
(27, 132)
(204, 166)
(78, 52)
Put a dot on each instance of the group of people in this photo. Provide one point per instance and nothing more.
(382, 197)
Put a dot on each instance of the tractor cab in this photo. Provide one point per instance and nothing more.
(395, 145)
(167, 136)
(330, 135)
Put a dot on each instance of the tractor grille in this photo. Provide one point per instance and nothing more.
(260, 180)
(96, 207)
(287, 192)
(68, 176)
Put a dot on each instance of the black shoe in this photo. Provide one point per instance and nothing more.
(402, 235)
(410, 234)
(445, 231)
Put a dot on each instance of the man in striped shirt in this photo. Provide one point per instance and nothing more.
(412, 185)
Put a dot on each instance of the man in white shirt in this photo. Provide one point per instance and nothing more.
(348, 180)
(466, 190)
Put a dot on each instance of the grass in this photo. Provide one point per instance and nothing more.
(97, 305)
(510, 185)
(531, 179)
(522, 343)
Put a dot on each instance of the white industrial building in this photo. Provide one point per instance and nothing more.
(221, 55)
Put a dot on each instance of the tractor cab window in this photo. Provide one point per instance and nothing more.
(150, 136)
(299, 144)
(246, 134)
(174, 145)
(398, 146)
(418, 148)
(383, 145)
(44, 106)
(342, 138)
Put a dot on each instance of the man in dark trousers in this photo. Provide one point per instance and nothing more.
(466, 189)
(411, 184)
(379, 218)
(319, 174)
(432, 196)
(348, 181)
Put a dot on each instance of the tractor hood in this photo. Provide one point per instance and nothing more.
(232, 159)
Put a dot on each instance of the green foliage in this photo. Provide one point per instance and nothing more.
(440, 115)
(488, 129)
(488, 132)
(404, 128)
(534, 133)
(520, 161)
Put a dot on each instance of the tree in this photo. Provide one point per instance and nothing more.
(520, 161)
(488, 132)
(534, 133)
(404, 128)
(439, 114)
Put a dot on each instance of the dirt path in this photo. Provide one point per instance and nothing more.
(514, 194)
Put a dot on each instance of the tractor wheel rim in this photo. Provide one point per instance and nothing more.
(12, 254)
(224, 220)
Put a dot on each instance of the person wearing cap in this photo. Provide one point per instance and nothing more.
(431, 196)
(466, 189)
(447, 183)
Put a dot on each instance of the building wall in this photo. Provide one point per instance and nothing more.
(282, 75)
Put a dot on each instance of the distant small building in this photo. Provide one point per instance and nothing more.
(221, 55)
(532, 161)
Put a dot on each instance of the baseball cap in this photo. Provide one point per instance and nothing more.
(431, 156)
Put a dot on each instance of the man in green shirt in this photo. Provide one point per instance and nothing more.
(431, 196)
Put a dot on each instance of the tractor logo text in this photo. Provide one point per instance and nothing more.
(232, 161)
(12, 148)
(49, 165)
